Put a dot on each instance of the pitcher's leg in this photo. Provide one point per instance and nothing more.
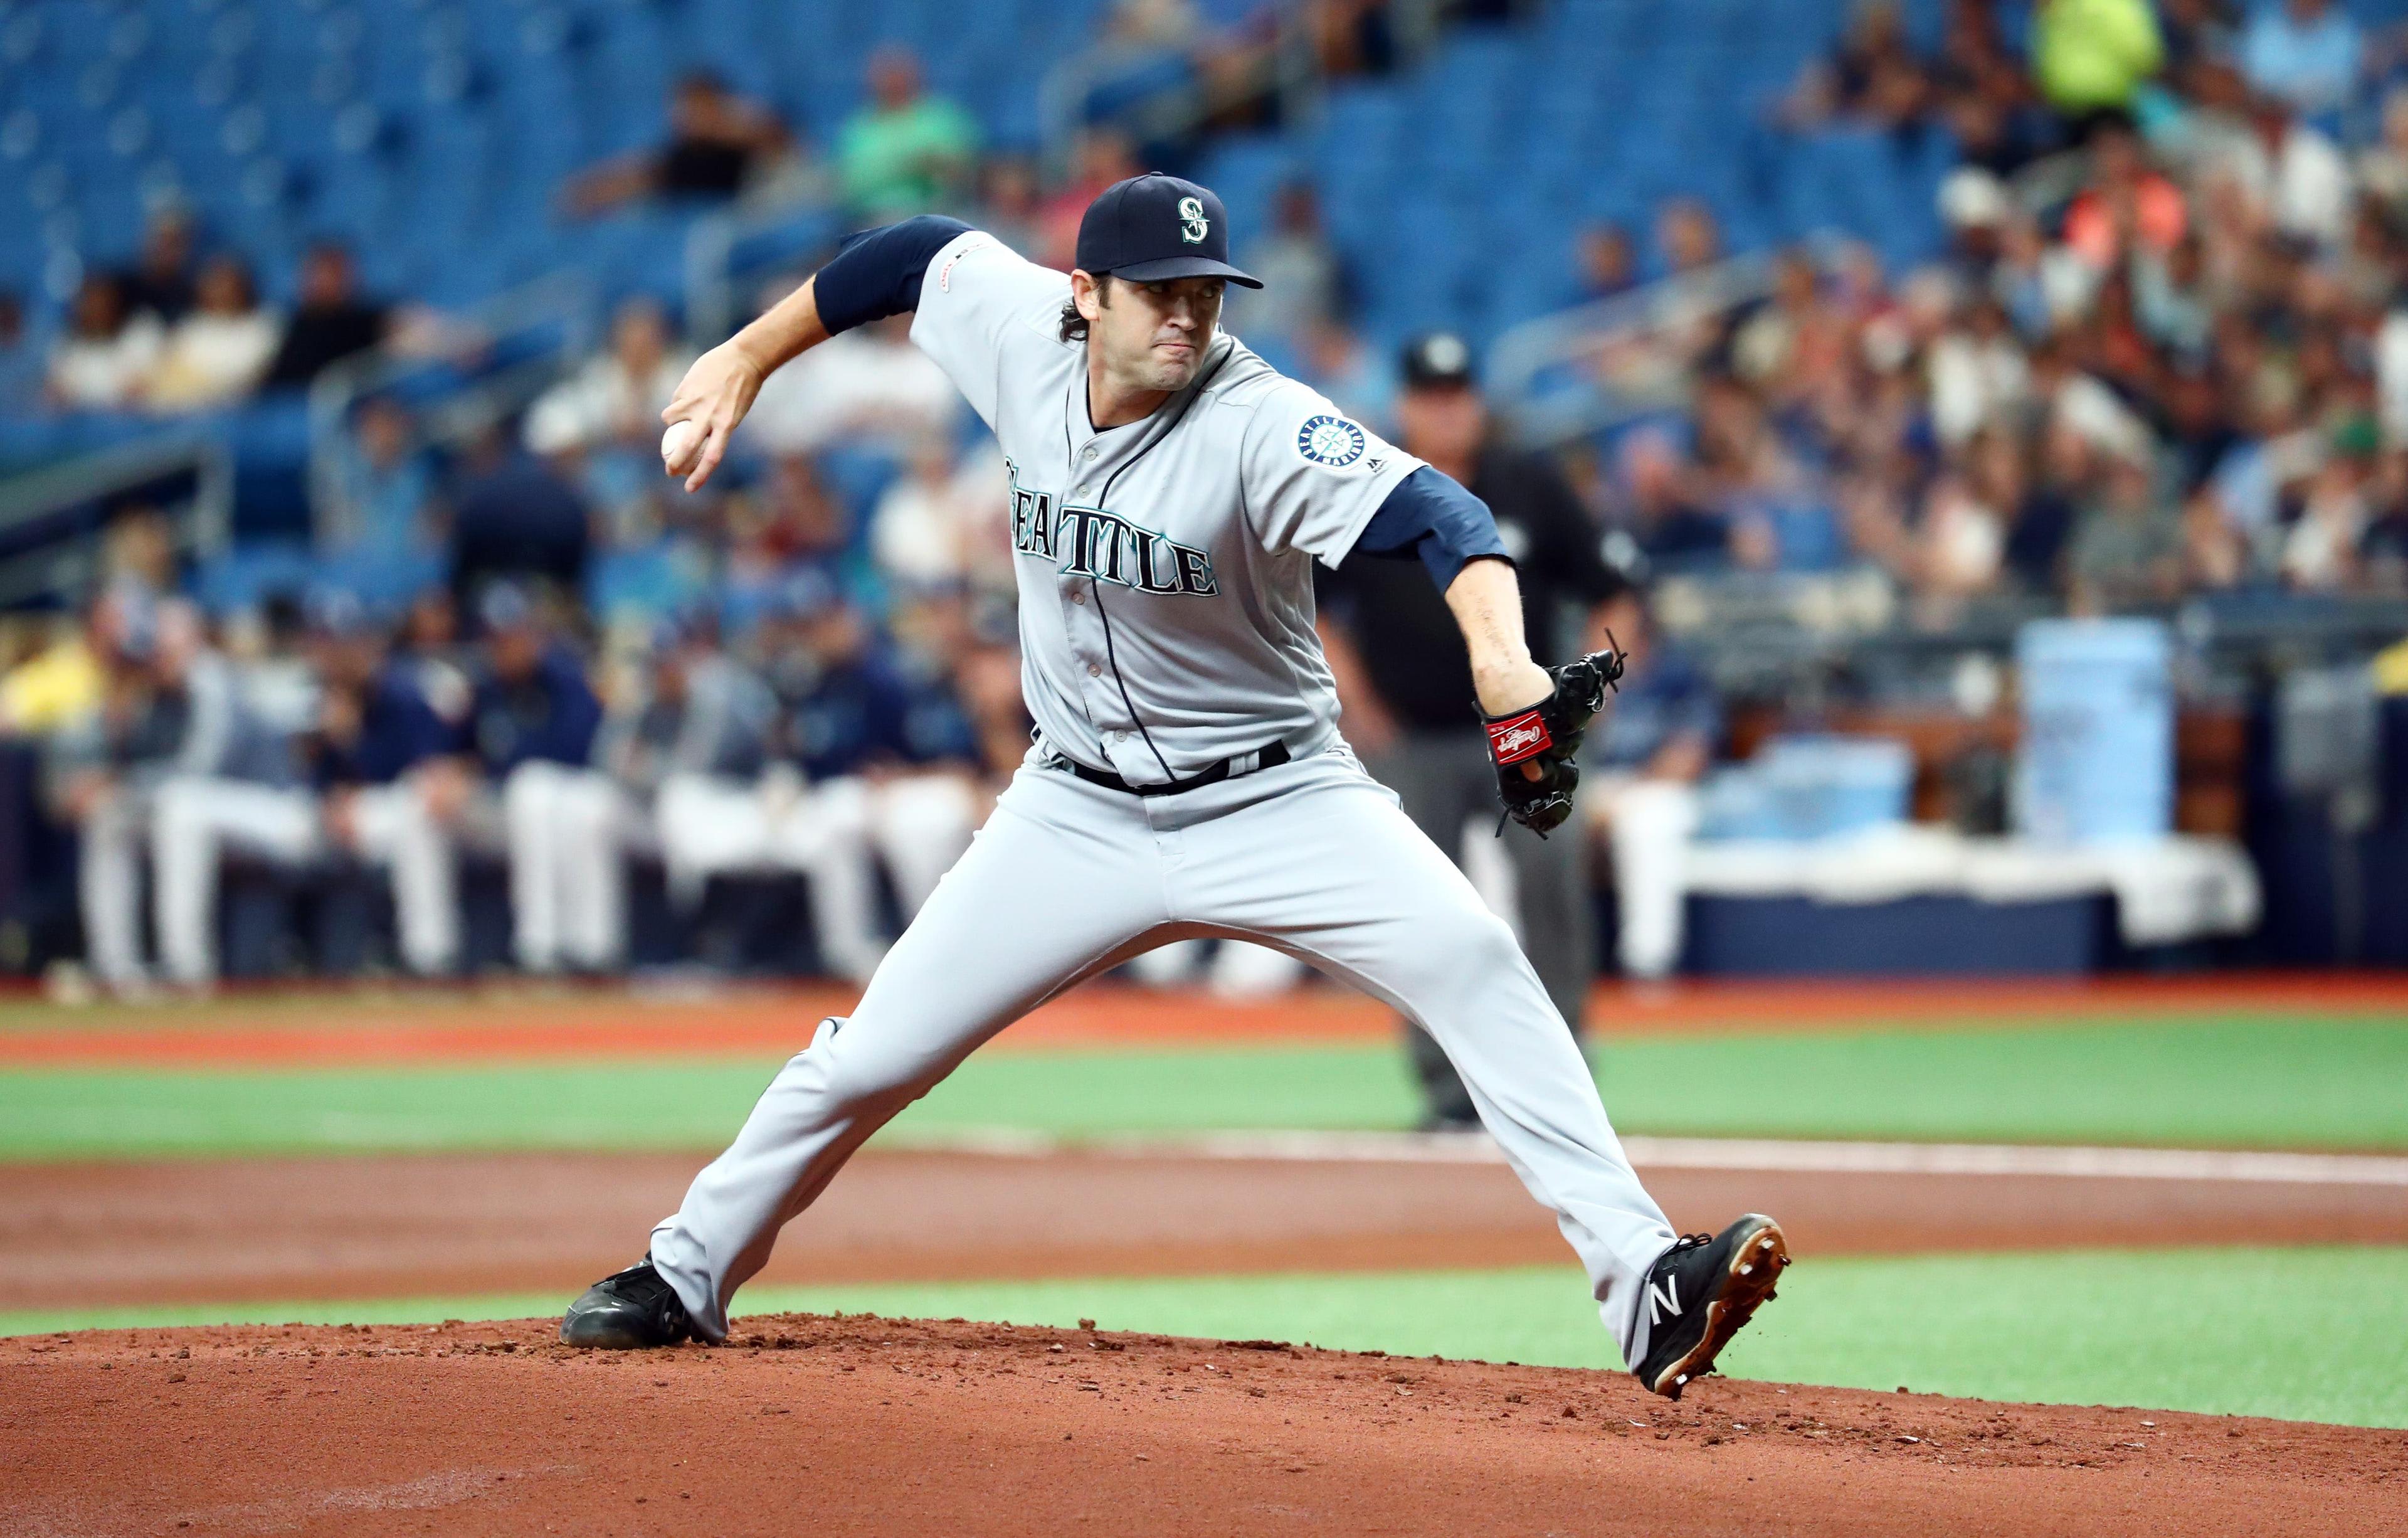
(1057, 883)
(1336, 871)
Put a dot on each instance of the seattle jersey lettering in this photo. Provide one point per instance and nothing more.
(1089, 543)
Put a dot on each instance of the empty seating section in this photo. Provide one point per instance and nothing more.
(433, 134)
(1456, 189)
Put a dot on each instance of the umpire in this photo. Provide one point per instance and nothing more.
(1405, 680)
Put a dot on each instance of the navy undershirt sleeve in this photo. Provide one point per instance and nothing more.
(878, 272)
(1430, 515)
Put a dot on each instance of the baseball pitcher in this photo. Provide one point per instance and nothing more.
(1170, 492)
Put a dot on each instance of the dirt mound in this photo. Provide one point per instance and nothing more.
(871, 1426)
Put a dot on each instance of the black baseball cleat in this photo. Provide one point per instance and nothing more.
(1698, 1294)
(633, 1311)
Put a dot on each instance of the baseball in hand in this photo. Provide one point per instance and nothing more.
(679, 446)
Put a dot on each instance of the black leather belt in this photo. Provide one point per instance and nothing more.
(1228, 769)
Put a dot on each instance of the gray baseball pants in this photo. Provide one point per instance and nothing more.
(1446, 782)
(1068, 878)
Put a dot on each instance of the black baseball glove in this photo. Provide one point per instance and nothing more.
(1546, 737)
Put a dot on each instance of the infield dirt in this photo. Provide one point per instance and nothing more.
(862, 1425)
(204, 1231)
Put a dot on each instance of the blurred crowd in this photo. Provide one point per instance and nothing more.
(2162, 354)
(182, 331)
(524, 648)
(325, 740)
(2170, 358)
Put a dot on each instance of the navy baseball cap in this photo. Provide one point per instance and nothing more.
(1154, 226)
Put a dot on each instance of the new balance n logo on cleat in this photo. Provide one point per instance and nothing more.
(1663, 1297)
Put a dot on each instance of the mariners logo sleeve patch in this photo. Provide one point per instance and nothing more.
(1330, 441)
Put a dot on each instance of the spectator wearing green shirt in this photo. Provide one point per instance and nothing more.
(908, 151)
(2090, 55)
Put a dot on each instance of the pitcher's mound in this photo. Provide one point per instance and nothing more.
(861, 1425)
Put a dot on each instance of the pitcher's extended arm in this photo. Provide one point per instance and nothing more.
(876, 275)
(1486, 598)
(1534, 715)
(1432, 517)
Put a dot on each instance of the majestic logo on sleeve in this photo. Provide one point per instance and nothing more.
(1193, 226)
(1089, 543)
(945, 273)
(1330, 441)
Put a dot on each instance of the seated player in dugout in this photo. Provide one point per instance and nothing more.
(1170, 494)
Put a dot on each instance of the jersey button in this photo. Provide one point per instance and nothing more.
(1094, 671)
(1090, 454)
(1078, 597)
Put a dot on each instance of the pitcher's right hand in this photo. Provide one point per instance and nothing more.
(715, 394)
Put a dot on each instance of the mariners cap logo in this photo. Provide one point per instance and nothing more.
(1193, 226)
(1330, 441)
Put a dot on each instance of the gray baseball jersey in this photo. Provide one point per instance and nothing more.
(1166, 611)
(1164, 567)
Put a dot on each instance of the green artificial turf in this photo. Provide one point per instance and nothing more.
(2270, 1081)
(2243, 1331)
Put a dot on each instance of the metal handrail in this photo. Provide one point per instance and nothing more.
(1787, 636)
(203, 528)
(1174, 113)
(568, 298)
(1519, 361)
(711, 301)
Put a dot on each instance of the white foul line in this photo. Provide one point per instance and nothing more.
(1762, 1153)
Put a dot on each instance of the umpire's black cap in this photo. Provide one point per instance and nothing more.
(1437, 360)
(1154, 226)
